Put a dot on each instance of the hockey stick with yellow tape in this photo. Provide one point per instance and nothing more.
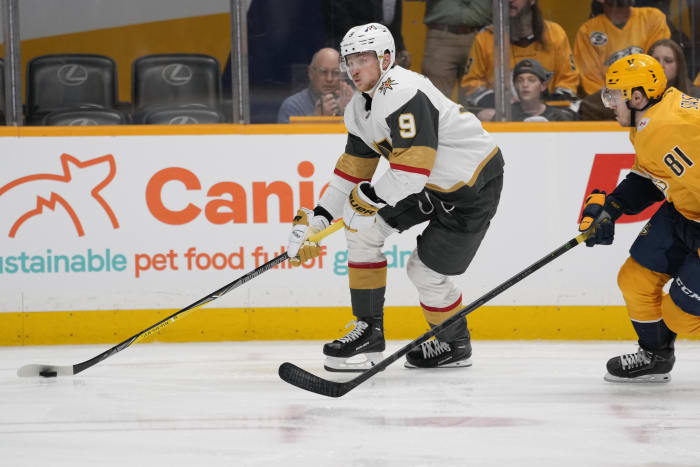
(300, 378)
(49, 371)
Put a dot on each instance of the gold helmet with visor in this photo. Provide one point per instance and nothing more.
(630, 72)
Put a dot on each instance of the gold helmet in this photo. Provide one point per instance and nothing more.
(636, 70)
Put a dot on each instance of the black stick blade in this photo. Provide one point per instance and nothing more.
(310, 382)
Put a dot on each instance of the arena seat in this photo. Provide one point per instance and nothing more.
(183, 116)
(170, 81)
(85, 117)
(69, 81)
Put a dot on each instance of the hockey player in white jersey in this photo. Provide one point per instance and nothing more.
(444, 169)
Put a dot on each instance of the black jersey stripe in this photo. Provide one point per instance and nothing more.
(415, 123)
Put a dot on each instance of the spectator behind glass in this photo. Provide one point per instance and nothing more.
(452, 26)
(619, 31)
(670, 56)
(327, 94)
(678, 13)
(531, 37)
(530, 83)
(341, 15)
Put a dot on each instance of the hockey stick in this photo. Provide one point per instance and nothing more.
(68, 370)
(300, 378)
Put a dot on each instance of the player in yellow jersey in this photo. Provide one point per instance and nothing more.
(664, 131)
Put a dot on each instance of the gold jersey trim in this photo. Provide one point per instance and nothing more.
(360, 167)
(471, 181)
(421, 157)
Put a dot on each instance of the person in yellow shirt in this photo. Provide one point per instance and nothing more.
(664, 126)
(531, 37)
(621, 30)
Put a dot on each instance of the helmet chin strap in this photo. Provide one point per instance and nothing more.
(633, 114)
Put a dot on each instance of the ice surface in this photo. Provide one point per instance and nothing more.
(222, 404)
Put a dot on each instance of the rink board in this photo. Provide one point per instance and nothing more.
(107, 230)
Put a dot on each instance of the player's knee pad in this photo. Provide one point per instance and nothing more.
(677, 319)
(414, 268)
(366, 245)
(425, 279)
(439, 297)
(642, 290)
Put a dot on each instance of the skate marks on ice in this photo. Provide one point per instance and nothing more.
(522, 403)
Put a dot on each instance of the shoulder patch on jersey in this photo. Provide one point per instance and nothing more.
(599, 39)
(387, 85)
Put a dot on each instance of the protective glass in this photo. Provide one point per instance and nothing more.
(611, 97)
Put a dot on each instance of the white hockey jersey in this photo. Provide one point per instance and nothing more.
(429, 141)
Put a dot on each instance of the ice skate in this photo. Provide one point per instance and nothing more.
(438, 354)
(358, 350)
(644, 366)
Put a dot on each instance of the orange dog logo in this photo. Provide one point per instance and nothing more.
(25, 198)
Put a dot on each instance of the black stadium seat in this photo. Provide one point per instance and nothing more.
(183, 116)
(169, 81)
(84, 117)
(68, 81)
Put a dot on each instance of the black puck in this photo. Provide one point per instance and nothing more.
(48, 374)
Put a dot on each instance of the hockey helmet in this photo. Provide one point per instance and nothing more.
(633, 71)
(373, 37)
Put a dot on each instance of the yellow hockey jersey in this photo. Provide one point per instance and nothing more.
(696, 83)
(599, 43)
(667, 143)
(555, 57)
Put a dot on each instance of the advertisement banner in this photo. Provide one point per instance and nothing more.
(152, 222)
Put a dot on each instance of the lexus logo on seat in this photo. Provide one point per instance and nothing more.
(72, 75)
(177, 74)
(183, 120)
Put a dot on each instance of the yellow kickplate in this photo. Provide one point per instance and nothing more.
(232, 324)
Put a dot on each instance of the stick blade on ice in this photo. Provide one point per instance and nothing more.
(302, 379)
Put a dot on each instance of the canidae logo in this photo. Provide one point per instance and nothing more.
(607, 171)
(75, 191)
(227, 201)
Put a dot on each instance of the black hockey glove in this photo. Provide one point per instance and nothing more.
(599, 215)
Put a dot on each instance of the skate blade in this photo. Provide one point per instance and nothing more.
(354, 364)
(658, 378)
(458, 364)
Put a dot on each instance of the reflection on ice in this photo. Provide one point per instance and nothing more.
(522, 403)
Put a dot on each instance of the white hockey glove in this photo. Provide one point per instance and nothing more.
(361, 208)
(304, 225)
